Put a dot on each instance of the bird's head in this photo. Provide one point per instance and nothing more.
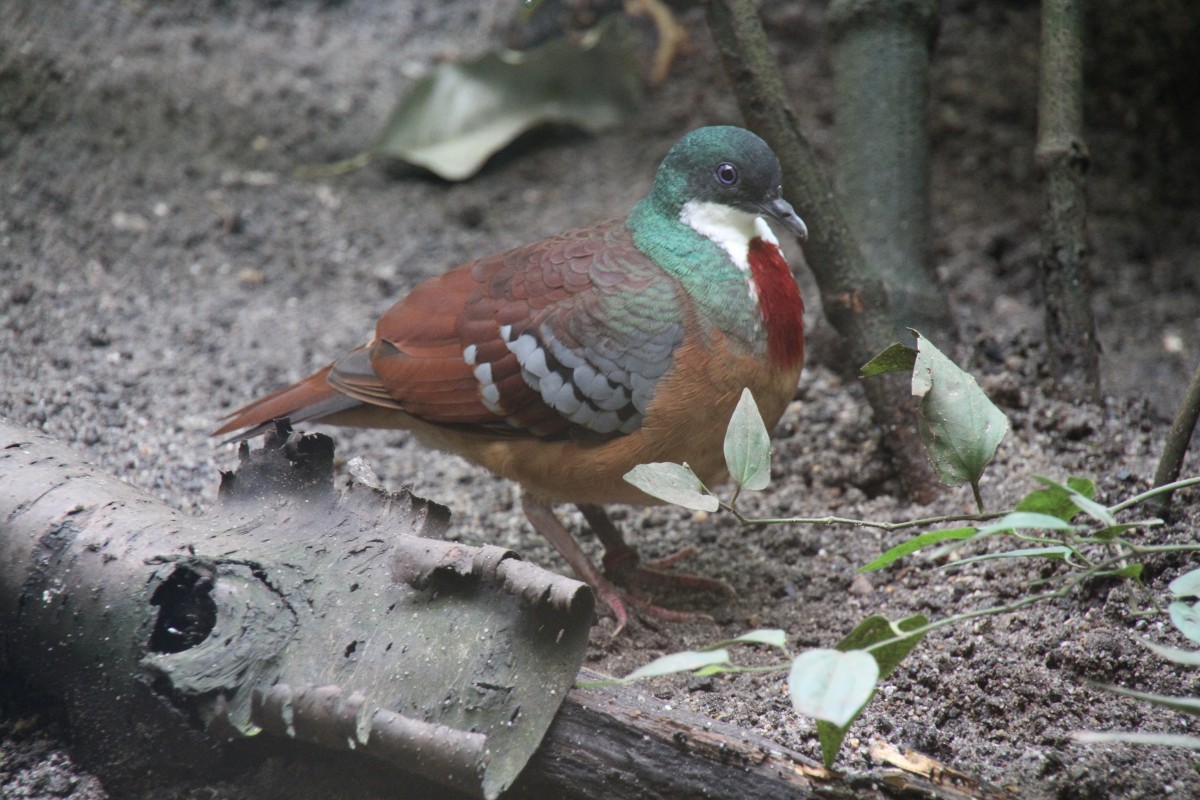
(724, 175)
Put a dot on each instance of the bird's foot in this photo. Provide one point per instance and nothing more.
(622, 562)
(626, 561)
(625, 566)
(672, 37)
(617, 599)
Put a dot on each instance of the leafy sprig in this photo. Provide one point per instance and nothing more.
(961, 430)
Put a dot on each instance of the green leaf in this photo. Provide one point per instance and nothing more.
(674, 483)
(1186, 585)
(451, 121)
(1085, 502)
(713, 669)
(960, 426)
(870, 631)
(1025, 520)
(684, 661)
(1111, 532)
(1123, 737)
(896, 358)
(831, 685)
(1132, 571)
(748, 445)
(1178, 655)
(1187, 619)
(912, 545)
(1188, 705)
(875, 629)
(1058, 553)
(773, 637)
(1055, 500)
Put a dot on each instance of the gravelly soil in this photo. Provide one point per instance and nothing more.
(159, 263)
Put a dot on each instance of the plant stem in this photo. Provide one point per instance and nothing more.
(862, 523)
(1062, 591)
(1179, 437)
(1151, 549)
(940, 520)
(773, 668)
(978, 496)
(1094, 571)
(1157, 490)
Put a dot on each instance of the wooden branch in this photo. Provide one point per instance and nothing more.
(1062, 157)
(1170, 464)
(618, 743)
(854, 299)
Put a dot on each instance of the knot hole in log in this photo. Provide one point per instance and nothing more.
(186, 611)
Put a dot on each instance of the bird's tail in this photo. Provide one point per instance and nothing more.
(306, 401)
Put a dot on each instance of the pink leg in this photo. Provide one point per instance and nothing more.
(544, 522)
(620, 558)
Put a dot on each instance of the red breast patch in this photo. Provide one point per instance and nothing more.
(780, 302)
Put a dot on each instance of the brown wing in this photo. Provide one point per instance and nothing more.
(564, 337)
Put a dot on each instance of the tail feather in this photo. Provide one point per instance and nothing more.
(310, 399)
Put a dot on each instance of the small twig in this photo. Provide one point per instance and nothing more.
(1157, 490)
(860, 523)
(1062, 591)
(1179, 436)
(1151, 549)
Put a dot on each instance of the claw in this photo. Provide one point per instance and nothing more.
(621, 560)
(671, 35)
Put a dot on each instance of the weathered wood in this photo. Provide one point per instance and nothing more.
(317, 615)
(613, 742)
(619, 743)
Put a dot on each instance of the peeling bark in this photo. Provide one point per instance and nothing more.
(319, 616)
(103, 631)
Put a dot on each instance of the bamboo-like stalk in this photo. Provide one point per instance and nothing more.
(1062, 157)
(880, 52)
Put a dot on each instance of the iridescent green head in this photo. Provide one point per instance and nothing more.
(722, 171)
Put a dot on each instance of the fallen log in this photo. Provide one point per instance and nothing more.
(318, 616)
(617, 743)
(127, 610)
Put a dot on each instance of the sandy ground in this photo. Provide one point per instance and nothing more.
(160, 264)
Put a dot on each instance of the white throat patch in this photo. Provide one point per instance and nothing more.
(729, 228)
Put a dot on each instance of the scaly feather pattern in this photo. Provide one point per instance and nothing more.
(565, 363)
(564, 338)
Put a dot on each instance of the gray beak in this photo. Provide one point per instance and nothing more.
(781, 211)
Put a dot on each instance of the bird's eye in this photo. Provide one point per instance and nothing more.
(727, 174)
